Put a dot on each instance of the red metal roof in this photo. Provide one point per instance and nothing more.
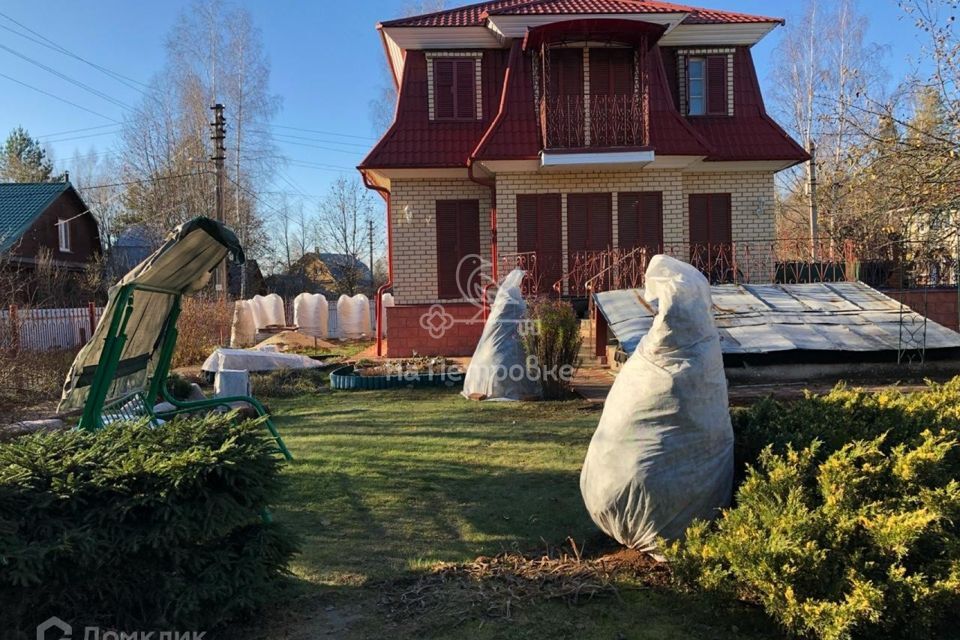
(469, 16)
(477, 14)
(414, 141)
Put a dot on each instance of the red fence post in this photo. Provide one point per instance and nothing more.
(14, 329)
(92, 317)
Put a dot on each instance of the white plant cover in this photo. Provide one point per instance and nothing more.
(311, 314)
(662, 454)
(386, 300)
(498, 369)
(255, 360)
(243, 331)
(353, 315)
(274, 312)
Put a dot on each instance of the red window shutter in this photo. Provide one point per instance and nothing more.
(466, 86)
(721, 231)
(717, 84)
(468, 245)
(566, 72)
(600, 72)
(650, 212)
(443, 89)
(600, 221)
(699, 219)
(621, 71)
(577, 233)
(550, 251)
(447, 251)
(628, 220)
(528, 230)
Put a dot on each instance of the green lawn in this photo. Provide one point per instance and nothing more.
(386, 484)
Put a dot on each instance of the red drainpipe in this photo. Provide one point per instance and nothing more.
(515, 52)
(378, 304)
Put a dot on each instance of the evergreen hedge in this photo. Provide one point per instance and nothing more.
(847, 524)
(140, 528)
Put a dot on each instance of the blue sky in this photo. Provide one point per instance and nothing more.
(326, 62)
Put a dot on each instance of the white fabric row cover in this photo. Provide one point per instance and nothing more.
(662, 454)
(254, 314)
(256, 360)
(498, 369)
(353, 315)
(311, 313)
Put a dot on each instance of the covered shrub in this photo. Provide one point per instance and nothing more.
(553, 342)
(140, 528)
(848, 522)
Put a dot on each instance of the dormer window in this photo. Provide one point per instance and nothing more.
(454, 86)
(696, 86)
(707, 82)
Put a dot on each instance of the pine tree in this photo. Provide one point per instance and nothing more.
(22, 159)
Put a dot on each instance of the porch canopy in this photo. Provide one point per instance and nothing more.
(131, 349)
(600, 30)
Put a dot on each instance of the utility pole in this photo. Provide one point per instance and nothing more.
(219, 125)
(370, 238)
(812, 188)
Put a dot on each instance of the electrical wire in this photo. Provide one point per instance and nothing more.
(56, 97)
(65, 77)
(325, 133)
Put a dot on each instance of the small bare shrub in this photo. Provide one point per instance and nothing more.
(204, 325)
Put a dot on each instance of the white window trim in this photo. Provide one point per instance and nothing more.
(478, 81)
(682, 56)
(63, 235)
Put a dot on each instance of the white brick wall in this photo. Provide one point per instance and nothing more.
(414, 241)
(751, 201)
(414, 228)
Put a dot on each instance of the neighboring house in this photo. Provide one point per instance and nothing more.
(45, 221)
(133, 245)
(559, 128)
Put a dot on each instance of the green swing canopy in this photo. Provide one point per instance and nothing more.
(126, 352)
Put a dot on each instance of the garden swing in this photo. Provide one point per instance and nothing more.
(123, 369)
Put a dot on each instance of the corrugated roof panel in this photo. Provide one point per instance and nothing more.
(795, 317)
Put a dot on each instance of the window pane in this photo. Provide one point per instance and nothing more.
(696, 68)
(696, 88)
(696, 106)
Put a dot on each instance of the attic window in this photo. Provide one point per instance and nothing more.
(454, 86)
(63, 232)
(706, 82)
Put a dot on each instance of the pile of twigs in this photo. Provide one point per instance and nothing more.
(494, 587)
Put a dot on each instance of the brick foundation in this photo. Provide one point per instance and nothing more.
(941, 304)
(406, 334)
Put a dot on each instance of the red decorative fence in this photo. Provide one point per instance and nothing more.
(777, 261)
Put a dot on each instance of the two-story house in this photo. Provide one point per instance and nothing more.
(556, 128)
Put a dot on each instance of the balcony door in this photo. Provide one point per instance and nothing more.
(562, 111)
(614, 116)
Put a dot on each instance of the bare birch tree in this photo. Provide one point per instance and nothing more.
(343, 228)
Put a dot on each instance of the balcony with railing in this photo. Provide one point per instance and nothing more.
(592, 122)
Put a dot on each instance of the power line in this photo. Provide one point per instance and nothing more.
(56, 97)
(67, 78)
(50, 44)
(325, 133)
(90, 135)
(60, 133)
(308, 139)
(146, 180)
(322, 148)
